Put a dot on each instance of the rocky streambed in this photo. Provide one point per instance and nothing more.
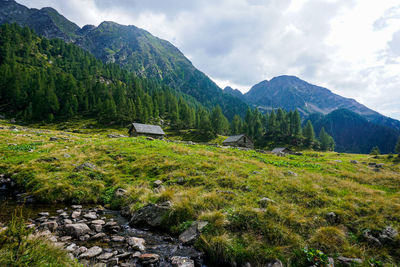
(101, 237)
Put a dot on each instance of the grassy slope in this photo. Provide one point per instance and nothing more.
(222, 186)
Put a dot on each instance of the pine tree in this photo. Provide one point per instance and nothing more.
(296, 124)
(375, 151)
(272, 124)
(236, 125)
(397, 148)
(218, 120)
(309, 134)
(326, 140)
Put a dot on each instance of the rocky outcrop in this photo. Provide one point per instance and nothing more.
(193, 232)
(151, 215)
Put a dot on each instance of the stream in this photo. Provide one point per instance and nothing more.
(113, 230)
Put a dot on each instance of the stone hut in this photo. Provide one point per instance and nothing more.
(139, 129)
(240, 140)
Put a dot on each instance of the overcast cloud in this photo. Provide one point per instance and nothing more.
(349, 46)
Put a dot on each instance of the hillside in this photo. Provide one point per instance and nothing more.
(220, 185)
(353, 133)
(290, 93)
(134, 49)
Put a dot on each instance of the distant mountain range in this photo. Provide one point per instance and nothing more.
(150, 57)
(130, 47)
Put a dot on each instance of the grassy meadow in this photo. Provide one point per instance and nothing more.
(221, 185)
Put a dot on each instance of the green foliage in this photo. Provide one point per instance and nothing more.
(375, 151)
(327, 142)
(316, 257)
(19, 248)
(397, 148)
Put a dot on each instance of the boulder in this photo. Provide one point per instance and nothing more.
(157, 183)
(76, 207)
(98, 236)
(371, 239)
(86, 166)
(117, 238)
(193, 232)
(137, 243)
(77, 230)
(120, 192)
(105, 256)
(91, 253)
(354, 161)
(90, 215)
(332, 218)
(72, 247)
(388, 235)
(290, 173)
(151, 215)
(43, 214)
(75, 214)
(101, 222)
(178, 261)
(275, 263)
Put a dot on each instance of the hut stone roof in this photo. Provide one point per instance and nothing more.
(233, 138)
(278, 150)
(147, 129)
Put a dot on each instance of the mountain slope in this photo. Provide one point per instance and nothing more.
(353, 133)
(233, 92)
(133, 48)
(290, 92)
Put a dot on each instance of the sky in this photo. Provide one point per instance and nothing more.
(351, 47)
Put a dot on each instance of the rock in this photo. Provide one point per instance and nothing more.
(86, 166)
(354, 161)
(98, 236)
(137, 243)
(275, 263)
(348, 261)
(65, 238)
(84, 237)
(76, 207)
(256, 172)
(126, 212)
(72, 247)
(264, 202)
(51, 225)
(12, 120)
(120, 192)
(91, 216)
(75, 214)
(379, 165)
(80, 250)
(157, 183)
(371, 239)
(67, 155)
(77, 230)
(151, 215)
(92, 252)
(193, 232)
(97, 227)
(178, 261)
(124, 255)
(42, 214)
(338, 161)
(372, 164)
(290, 173)
(117, 238)
(388, 235)
(67, 221)
(105, 256)
(114, 135)
(149, 258)
(101, 222)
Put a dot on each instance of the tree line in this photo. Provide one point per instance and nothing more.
(50, 80)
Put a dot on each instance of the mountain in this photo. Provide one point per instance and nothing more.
(290, 92)
(135, 49)
(233, 92)
(353, 133)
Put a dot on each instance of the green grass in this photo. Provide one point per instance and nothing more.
(222, 186)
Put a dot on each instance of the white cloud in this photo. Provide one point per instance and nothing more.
(348, 46)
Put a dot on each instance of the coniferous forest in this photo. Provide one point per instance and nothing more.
(50, 80)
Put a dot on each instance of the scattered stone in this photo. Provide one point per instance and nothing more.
(157, 183)
(114, 135)
(264, 202)
(332, 218)
(65, 238)
(105, 256)
(290, 173)
(379, 165)
(91, 216)
(256, 172)
(98, 236)
(101, 222)
(354, 161)
(147, 259)
(124, 255)
(338, 161)
(77, 230)
(372, 164)
(67, 155)
(151, 215)
(80, 250)
(86, 166)
(137, 243)
(92, 252)
(178, 261)
(275, 263)
(371, 239)
(76, 207)
(43, 214)
(117, 238)
(348, 261)
(51, 225)
(72, 247)
(193, 232)
(388, 235)
(75, 214)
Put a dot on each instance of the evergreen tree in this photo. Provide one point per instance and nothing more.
(375, 151)
(218, 120)
(327, 142)
(397, 148)
(309, 134)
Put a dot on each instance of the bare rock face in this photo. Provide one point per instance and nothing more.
(77, 230)
(193, 232)
(388, 235)
(151, 215)
(348, 261)
(147, 259)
